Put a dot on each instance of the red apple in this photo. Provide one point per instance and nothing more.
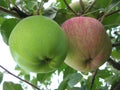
(89, 44)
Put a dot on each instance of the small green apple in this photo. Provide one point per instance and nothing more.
(89, 44)
(38, 44)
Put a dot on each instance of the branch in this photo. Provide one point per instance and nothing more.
(40, 4)
(116, 44)
(19, 78)
(114, 64)
(112, 13)
(19, 12)
(93, 78)
(107, 12)
(70, 8)
(9, 12)
(81, 6)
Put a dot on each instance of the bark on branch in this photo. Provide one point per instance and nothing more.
(19, 78)
(114, 63)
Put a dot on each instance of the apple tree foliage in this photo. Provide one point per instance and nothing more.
(107, 11)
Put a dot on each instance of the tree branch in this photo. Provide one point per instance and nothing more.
(93, 79)
(70, 8)
(114, 64)
(9, 12)
(81, 6)
(112, 13)
(116, 44)
(19, 78)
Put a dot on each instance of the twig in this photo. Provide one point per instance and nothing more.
(70, 8)
(9, 12)
(116, 44)
(40, 4)
(93, 79)
(112, 13)
(81, 6)
(19, 78)
(114, 64)
(102, 18)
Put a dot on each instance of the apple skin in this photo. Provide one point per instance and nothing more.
(89, 44)
(38, 44)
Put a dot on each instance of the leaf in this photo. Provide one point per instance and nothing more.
(6, 28)
(4, 3)
(68, 70)
(1, 77)
(75, 88)
(42, 77)
(104, 74)
(62, 4)
(73, 79)
(27, 77)
(50, 12)
(34, 81)
(63, 85)
(115, 54)
(1, 20)
(11, 86)
(112, 21)
(13, 1)
(99, 3)
(31, 5)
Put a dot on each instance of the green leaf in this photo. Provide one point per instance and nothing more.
(62, 4)
(116, 54)
(13, 1)
(1, 77)
(73, 79)
(104, 74)
(31, 5)
(11, 86)
(27, 77)
(42, 77)
(34, 81)
(68, 71)
(50, 12)
(102, 3)
(4, 3)
(63, 85)
(112, 21)
(76, 88)
(1, 20)
(6, 28)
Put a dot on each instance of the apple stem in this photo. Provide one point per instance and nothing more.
(19, 78)
(93, 78)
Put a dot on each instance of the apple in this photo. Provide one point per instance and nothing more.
(89, 44)
(38, 44)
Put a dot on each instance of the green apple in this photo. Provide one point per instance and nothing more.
(38, 44)
(89, 44)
